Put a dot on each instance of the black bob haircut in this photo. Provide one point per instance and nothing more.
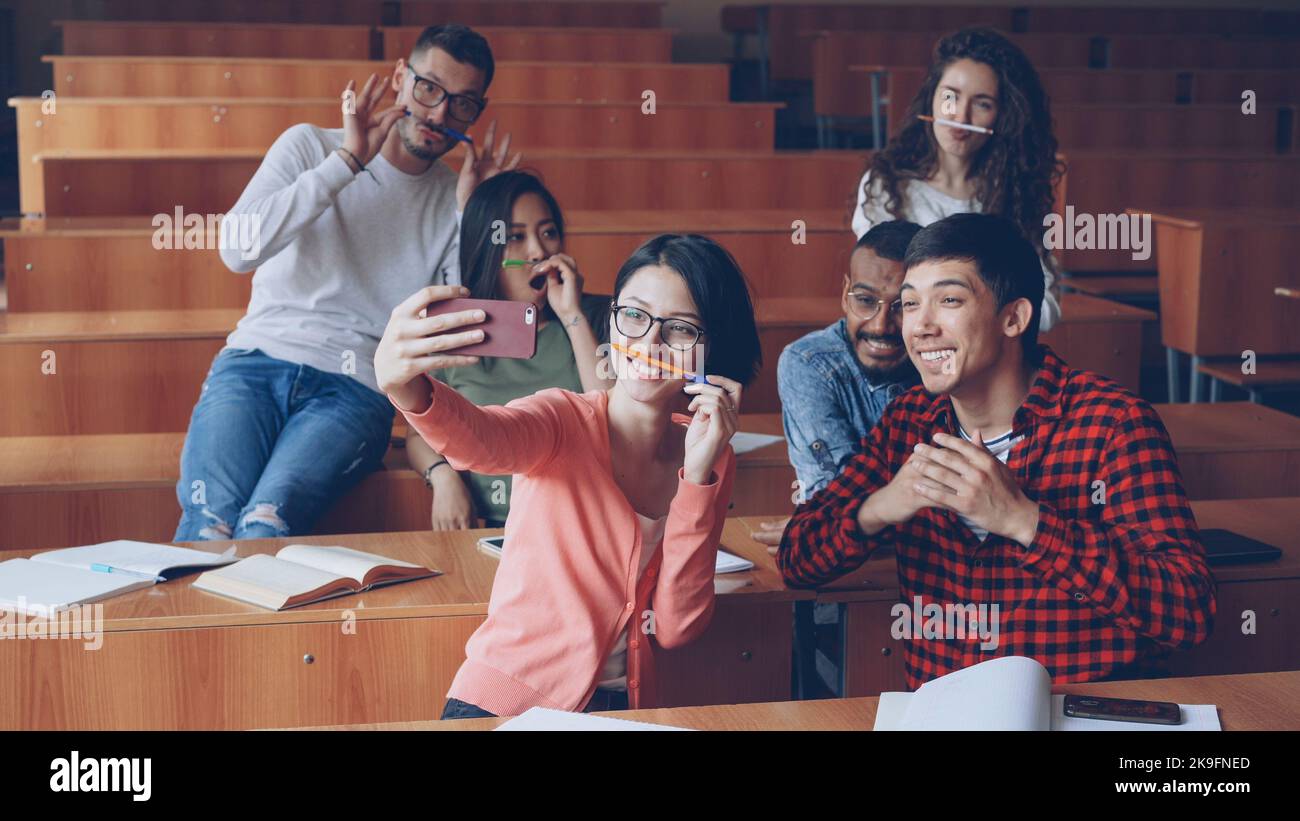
(720, 292)
(493, 200)
(464, 44)
(1006, 261)
(889, 239)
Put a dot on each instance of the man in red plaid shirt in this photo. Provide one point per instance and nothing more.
(1008, 478)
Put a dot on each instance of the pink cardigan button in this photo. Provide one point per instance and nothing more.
(633, 684)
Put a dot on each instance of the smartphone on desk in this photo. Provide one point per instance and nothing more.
(1123, 709)
(509, 328)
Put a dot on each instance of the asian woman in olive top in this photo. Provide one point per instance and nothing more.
(513, 217)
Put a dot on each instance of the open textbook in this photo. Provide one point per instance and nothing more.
(302, 574)
(59, 579)
(1010, 693)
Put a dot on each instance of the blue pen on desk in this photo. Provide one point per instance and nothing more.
(108, 568)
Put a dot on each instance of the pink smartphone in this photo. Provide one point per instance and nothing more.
(510, 329)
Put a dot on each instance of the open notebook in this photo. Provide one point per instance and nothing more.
(59, 579)
(541, 718)
(302, 574)
(1010, 693)
(725, 563)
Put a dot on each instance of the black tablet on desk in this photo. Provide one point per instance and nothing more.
(1226, 547)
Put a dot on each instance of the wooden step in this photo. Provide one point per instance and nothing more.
(197, 124)
(303, 40)
(606, 44)
(57, 491)
(1114, 287)
(601, 45)
(374, 12)
(239, 77)
(97, 182)
(110, 264)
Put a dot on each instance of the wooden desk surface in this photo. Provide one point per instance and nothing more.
(1272, 521)
(1229, 426)
(1255, 701)
(463, 589)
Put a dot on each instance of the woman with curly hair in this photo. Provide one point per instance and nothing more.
(929, 171)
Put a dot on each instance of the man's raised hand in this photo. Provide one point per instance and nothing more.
(365, 124)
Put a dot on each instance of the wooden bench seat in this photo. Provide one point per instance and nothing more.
(110, 264)
(1134, 287)
(602, 45)
(65, 490)
(180, 123)
(852, 94)
(311, 41)
(57, 491)
(238, 77)
(375, 12)
(303, 40)
(100, 182)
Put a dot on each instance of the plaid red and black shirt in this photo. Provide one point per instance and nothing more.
(1115, 576)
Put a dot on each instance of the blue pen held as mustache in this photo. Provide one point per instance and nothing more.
(450, 132)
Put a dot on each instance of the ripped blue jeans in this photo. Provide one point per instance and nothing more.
(272, 444)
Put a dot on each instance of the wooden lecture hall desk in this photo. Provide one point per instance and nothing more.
(1218, 270)
(1258, 701)
(178, 658)
(873, 663)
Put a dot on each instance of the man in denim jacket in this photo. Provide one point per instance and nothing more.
(835, 383)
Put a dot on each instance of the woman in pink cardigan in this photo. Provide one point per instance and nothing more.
(618, 497)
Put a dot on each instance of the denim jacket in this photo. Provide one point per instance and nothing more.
(827, 404)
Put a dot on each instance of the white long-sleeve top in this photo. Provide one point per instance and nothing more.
(335, 252)
(924, 204)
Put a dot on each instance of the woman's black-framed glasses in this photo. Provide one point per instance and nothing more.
(866, 306)
(635, 323)
(430, 95)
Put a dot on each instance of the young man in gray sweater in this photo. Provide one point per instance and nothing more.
(342, 225)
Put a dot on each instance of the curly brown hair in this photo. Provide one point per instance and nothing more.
(1017, 170)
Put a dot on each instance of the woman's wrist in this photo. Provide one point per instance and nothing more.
(435, 472)
(571, 322)
(414, 397)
